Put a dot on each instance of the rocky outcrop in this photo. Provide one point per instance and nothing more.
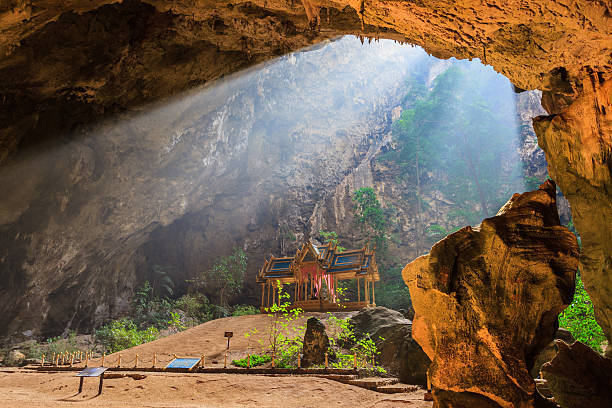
(486, 301)
(400, 355)
(577, 139)
(550, 351)
(579, 377)
(316, 343)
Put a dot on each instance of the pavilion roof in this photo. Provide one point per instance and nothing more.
(345, 265)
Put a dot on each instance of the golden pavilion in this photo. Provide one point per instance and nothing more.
(314, 272)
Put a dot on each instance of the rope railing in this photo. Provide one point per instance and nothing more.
(155, 361)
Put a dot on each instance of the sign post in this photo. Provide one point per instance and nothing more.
(92, 372)
(229, 335)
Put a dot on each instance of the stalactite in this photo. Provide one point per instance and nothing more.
(312, 12)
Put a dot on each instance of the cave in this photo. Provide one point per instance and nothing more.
(91, 87)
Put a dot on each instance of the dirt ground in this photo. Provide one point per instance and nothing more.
(23, 388)
(207, 339)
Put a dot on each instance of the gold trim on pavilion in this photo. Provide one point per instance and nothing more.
(315, 271)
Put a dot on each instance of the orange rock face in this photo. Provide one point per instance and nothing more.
(578, 145)
(486, 301)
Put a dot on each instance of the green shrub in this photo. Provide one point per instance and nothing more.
(244, 310)
(256, 360)
(121, 334)
(579, 319)
(56, 345)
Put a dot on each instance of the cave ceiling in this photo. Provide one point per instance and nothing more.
(66, 64)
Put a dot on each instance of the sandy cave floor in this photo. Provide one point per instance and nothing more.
(21, 389)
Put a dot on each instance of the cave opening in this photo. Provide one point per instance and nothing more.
(264, 158)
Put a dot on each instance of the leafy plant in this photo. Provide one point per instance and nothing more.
(370, 215)
(332, 237)
(244, 310)
(121, 334)
(225, 278)
(256, 360)
(162, 285)
(285, 339)
(579, 319)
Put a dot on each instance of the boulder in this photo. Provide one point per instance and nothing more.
(550, 351)
(400, 355)
(486, 302)
(579, 377)
(14, 358)
(316, 343)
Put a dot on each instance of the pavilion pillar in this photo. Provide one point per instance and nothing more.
(262, 295)
(268, 302)
(310, 287)
(358, 290)
(367, 292)
(373, 297)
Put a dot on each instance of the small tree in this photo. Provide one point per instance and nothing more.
(225, 278)
(370, 214)
(332, 237)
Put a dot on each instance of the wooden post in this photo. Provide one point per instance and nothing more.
(358, 290)
(42, 361)
(273, 360)
(225, 361)
(154, 358)
(87, 360)
(101, 381)
(299, 361)
(103, 358)
(373, 296)
(262, 295)
(119, 361)
(367, 292)
(268, 302)
(136, 361)
(81, 385)
(311, 287)
(326, 363)
(355, 361)
(248, 361)
(71, 359)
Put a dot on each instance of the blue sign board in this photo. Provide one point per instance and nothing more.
(92, 372)
(187, 363)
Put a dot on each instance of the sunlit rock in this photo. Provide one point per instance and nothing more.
(486, 301)
(577, 140)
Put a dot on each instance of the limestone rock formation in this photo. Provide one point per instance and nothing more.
(550, 351)
(316, 343)
(579, 377)
(577, 140)
(486, 301)
(14, 358)
(399, 354)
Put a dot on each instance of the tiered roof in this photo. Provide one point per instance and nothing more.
(343, 265)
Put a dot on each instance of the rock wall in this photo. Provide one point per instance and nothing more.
(486, 301)
(240, 163)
